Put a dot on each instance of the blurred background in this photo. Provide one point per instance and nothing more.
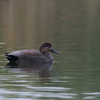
(72, 27)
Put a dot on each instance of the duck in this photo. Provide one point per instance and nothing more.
(41, 56)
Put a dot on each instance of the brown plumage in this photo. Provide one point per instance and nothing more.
(42, 55)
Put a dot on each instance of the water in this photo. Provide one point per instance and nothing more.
(73, 28)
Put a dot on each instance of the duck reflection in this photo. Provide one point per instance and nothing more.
(44, 69)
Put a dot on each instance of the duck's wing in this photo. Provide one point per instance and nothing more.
(26, 55)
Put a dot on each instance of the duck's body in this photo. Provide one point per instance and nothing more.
(32, 55)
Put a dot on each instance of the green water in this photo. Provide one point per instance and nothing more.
(73, 28)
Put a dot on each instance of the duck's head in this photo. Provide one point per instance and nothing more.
(46, 47)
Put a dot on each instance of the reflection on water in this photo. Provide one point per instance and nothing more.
(24, 82)
(40, 81)
(42, 68)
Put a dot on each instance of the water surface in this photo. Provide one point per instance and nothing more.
(73, 28)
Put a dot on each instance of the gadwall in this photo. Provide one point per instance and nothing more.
(42, 55)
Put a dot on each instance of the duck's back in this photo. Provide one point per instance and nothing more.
(29, 55)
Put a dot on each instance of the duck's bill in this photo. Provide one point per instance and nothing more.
(54, 51)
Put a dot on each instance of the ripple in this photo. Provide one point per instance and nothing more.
(49, 88)
(39, 94)
(19, 81)
(20, 76)
(95, 93)
(2, 43)
(89, 97)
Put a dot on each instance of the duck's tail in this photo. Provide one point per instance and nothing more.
(5, 54)
(10, 57)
